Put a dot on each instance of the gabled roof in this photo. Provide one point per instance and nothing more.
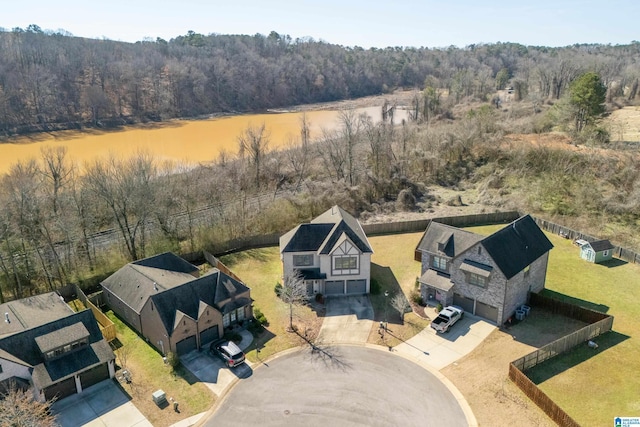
(31, 312)
(324, 231)
(517, 245)
(137, 281)
(212, 289)
(24, 348)
(447, 240)
(601, 245)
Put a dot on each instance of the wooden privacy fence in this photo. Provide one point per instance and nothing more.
(107, 327)
(619, 252)
(543, 401)
(599, 324)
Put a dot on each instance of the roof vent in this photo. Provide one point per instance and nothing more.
(6, 318)
(155, 286)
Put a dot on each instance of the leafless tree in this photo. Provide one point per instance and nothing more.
(293, 292)
(254, 142)
(18, 408)
(400, 303)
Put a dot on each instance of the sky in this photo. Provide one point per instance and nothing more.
(364, 23)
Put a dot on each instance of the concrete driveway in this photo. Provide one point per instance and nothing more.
(440, 350)
(344, 386)
(347, 320)
(212, 371)
(102, 405)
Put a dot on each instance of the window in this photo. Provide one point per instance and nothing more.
(605, 253)
(476, 279)
(345, 262)
(225, 320)
(303, 260)
(241, 313)
(439, 263)
(233, 316)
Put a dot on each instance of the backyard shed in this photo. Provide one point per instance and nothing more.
(597, 252)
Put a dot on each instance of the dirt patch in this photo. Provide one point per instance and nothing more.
(481, 376)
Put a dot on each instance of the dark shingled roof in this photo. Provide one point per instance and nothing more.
(211, 289)
(31, 312)
(324, 232)
(66, 335)
(517, 245)
(453, 240)
(601, 245)
(137, 281)
(23, 347)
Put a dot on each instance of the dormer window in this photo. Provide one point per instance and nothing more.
(63, 341)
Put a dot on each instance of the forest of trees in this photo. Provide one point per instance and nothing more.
(52, 80)
(56, 215)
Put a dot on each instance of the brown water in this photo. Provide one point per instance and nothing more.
(187, 141)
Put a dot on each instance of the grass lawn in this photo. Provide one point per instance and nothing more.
(149, 373)
(594, 386)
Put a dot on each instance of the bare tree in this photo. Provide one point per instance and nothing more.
(400, 303)
(293, 292)
(254, 142)
(19, 408)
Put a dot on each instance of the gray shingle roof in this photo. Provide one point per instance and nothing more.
(324, 232)
(137, 281)
(517, 245)
(62, 336)
(31, 312)
(23, 346)
(445, 239)
(601, 245)
(209, 289)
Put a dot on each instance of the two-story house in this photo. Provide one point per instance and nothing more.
(487, 276)
(46, 346)
(165, 300)
(332, 253)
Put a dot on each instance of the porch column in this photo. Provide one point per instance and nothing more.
(112, 368)
(78, 384)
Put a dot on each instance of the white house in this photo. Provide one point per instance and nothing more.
(332, 253)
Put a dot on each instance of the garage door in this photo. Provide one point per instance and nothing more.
(186, 345)
(464, 302)
(94, 376)
(60, 390)
(357, 286)
(334, 287)
(208, 335)
(487, 311)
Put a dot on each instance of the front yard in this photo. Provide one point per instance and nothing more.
(149, 373)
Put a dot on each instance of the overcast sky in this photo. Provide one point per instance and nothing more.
(365, 23)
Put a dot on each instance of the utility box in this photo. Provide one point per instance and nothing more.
(159, 397)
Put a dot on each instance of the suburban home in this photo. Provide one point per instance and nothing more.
(332, 253)
(46, 346)
(486, 276)
(166, 301)
(596, 252)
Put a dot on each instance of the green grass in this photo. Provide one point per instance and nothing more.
(594, 386)
(150, 373)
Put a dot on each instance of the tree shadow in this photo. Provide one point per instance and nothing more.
(386, 282)
(581, 353)
(576, 301)
(328, 355)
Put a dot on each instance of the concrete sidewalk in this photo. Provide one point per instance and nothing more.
(347, 320)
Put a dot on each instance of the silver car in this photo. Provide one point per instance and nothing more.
(227, 351)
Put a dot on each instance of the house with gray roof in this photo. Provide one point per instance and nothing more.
(166, 300)
(332, 253)
(597, 251)
(487, 276)
(57, 354)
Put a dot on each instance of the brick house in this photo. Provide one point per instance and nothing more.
(166, 301)
(486, 276)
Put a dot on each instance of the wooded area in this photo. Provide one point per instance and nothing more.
(56, 81)
(63, 223)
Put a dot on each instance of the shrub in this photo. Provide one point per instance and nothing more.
(233, 336)
(173, 360)
(320, 298)
(415, 296)
(439, 307)
(278, 289)
(260, 317)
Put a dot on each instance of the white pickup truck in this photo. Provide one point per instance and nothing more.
(446, 318)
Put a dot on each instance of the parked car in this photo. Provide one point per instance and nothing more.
(446, 318)
(228, 351)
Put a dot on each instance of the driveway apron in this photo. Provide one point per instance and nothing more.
(347, 320)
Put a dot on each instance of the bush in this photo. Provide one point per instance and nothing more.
(233, 336)
(173, 360)
(260, 317)
(439, 307)
(320, 298)
(278, 289)
(415, 297)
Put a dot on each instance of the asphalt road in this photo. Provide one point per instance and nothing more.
(339, 386)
